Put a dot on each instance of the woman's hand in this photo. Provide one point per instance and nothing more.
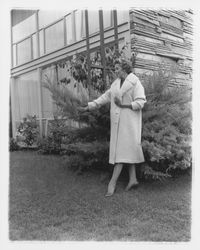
(118, 102)
(120, 105)
(83, 109)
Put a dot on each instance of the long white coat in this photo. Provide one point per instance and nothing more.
(126, 124)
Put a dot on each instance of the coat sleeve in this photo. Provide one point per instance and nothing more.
(139, 98)
(103, 99)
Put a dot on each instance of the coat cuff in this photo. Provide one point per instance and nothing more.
(92, 105)
(135, 106)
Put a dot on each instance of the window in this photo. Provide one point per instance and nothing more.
(41, 41)
(24, 51)
(69, 29)
(14, 55)
(93, 20)
(24, 28)
(34, 42)
(47, 17)
(48, 106)
(107, 18)
(80, 25)
(54, 37)
(26, 95)
(171, 21)
(122, 16)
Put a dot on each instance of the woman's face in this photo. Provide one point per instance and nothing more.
(119, 72)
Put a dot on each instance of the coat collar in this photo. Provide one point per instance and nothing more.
(129, 82)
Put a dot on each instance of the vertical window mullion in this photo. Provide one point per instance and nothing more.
(88, 48)
(102, 47)
(82, 24)
(65, 33)
(44, 41)
(11, 38)
(115, 29)
(40, 99)
(74, 26)
(111, 16)
(37, 34)
(31, 44)
(16, 54)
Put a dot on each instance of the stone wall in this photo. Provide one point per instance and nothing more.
(162, 36)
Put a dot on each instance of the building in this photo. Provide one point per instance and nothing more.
(41, 39)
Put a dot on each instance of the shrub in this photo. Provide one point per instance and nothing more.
(52, 144)
(13, 146)
(28, 130)
(166, 137)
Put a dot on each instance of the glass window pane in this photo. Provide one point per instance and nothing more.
(93, 17)
(24, 28)
(107, 18)
(24, 51)
(83, 24)
(41, 39)
(26, 95)
(47, 17)
(54, 37)
(69, 29)
(14, 55)
(48, 106)
(34, 46)
(122, 16)
(79, 21)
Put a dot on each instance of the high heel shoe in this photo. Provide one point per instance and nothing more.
(131, 186)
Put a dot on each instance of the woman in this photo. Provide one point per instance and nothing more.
(127, 98)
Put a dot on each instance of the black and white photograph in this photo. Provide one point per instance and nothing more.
(100, 124)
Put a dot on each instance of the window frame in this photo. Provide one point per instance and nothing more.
(42, 51)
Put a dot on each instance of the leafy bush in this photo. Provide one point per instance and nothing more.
(13, 146)
(166, 137)
(52, 144)
(28, 130)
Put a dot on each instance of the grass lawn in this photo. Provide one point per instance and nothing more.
(50, 202)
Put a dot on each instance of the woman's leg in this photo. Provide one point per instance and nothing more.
(112, 184)
(132, 177)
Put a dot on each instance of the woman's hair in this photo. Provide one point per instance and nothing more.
(126, 66)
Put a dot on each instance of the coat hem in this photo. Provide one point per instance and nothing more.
(126, 161)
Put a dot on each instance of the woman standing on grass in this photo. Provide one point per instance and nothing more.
(127, 98)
